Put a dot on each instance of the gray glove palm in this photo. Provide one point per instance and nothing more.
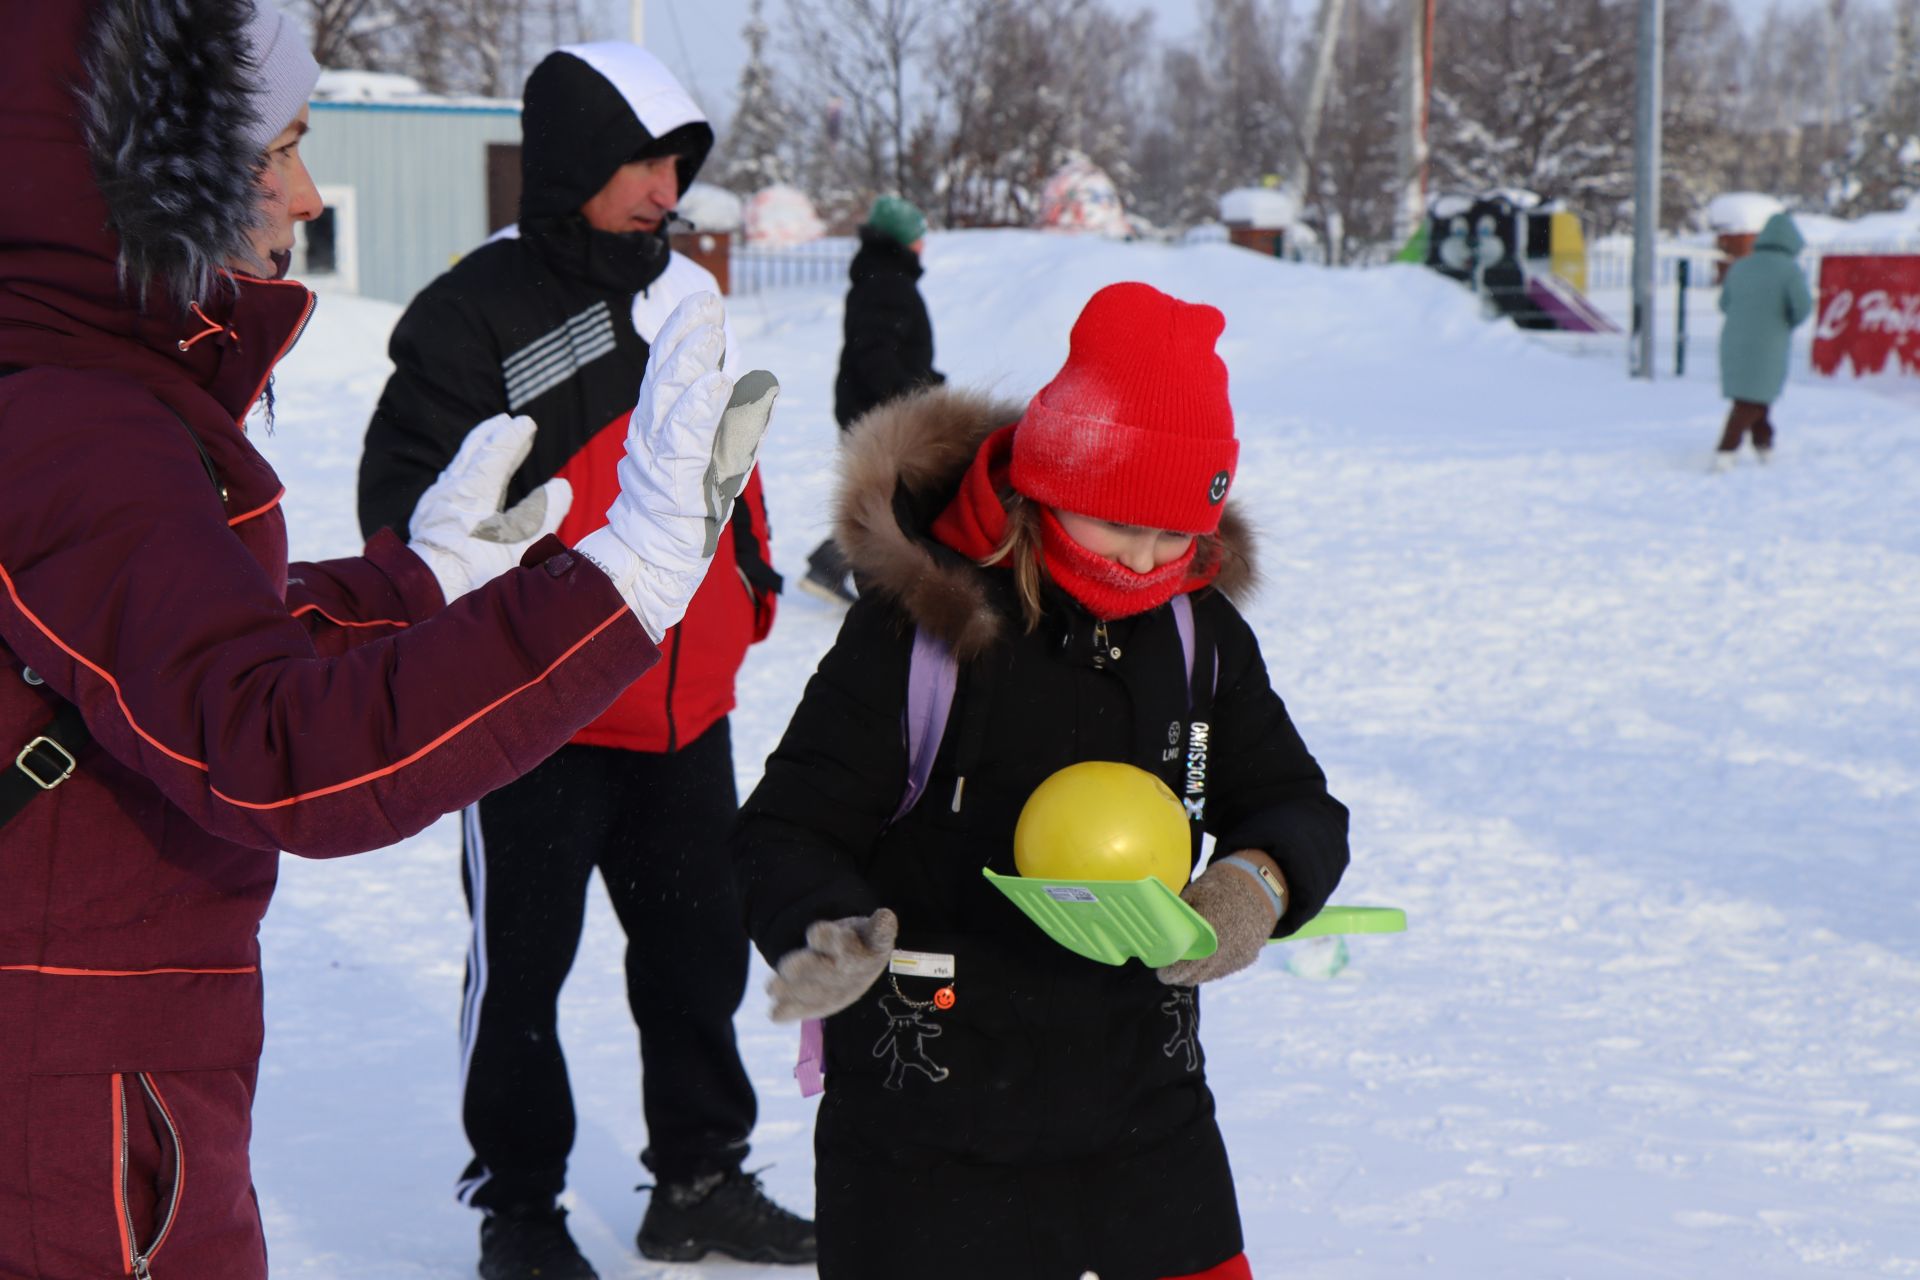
(840, 961)
(458, 527)
(691, 444)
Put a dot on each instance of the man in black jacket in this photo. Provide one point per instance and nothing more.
(887, 351)
(553, 320)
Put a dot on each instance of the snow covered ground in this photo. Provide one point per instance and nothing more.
(1635, 746)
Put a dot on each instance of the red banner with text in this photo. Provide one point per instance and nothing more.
(1869, 311)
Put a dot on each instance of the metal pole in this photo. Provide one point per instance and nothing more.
(1646, 185)
(637, 27)
(1683, 270)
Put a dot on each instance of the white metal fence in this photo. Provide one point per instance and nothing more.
(1611, 267)
(754, 269)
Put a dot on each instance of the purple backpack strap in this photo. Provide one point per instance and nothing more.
(932, 675)
(811, 1069)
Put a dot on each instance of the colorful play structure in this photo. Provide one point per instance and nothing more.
(1524, 254)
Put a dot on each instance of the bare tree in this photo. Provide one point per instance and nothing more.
(1222, 117)
(854, 58)
(1023, 87)
(451, 46)
(1353, 183)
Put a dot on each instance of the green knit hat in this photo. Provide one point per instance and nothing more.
(897, 218)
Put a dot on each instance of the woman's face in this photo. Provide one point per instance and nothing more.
(286, 196)
(1141, 550)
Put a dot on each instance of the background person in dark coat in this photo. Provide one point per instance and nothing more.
(1765, 298)
(887, 351)
(1055, 1111)
(233, 705)
(555, 321)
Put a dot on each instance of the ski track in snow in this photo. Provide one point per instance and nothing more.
(1633, 745)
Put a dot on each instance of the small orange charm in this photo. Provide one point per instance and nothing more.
(943, 998)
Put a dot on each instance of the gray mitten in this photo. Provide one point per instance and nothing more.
(840, 961)
(1231, 898)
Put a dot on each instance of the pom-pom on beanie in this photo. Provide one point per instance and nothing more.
(1136, 427)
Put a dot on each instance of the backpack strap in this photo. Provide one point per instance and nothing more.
(50, 756)
(47, 760)
(933, 676)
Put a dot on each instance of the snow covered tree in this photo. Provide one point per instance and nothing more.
(1701, 131)
(758, 150)
(1883, 158)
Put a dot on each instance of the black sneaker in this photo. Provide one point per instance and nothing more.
(828, 586)
(722, 1213)
(531, 1245)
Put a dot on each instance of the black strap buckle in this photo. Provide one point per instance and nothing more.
(46, 771)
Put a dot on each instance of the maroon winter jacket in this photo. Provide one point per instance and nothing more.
(239, 706)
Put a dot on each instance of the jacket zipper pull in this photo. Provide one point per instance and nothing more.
(1100, 643)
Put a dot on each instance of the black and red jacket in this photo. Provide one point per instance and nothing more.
(553, 321)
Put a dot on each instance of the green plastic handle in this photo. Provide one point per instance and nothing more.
(1332, 920)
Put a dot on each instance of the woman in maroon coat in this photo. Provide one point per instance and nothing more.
(230, 705)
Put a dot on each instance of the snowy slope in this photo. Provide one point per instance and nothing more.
(1634, 745)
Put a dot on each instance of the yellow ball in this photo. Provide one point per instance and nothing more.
(1102, 820)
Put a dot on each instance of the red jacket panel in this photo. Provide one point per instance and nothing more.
(693, 686)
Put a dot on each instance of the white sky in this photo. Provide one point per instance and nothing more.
(700, 39)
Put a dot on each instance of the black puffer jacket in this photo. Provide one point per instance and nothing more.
(888, 346)
(1059, 1108)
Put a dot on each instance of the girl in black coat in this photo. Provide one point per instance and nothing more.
(1029, 1114)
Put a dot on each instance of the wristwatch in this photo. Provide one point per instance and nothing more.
(1268, 880)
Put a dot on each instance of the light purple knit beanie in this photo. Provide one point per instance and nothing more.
(283, 70)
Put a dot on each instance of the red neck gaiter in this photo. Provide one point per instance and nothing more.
(975, 523)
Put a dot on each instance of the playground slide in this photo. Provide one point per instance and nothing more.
(1566, 305)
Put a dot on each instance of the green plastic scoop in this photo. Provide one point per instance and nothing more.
(1114, 921)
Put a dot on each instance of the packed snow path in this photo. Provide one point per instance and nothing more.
(1634, 746)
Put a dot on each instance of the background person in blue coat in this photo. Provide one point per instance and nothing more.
(1765, 299)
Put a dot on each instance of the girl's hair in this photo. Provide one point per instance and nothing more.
(1020, 551)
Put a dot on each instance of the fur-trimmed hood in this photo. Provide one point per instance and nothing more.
(900, 466)
(126, 192)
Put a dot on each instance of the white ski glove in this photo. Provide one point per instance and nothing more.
(458, 527)
(691, 444)
(841, 960)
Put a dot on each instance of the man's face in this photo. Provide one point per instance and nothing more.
(637, 197)
(285, 195)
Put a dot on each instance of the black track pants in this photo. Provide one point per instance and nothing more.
(656, 827)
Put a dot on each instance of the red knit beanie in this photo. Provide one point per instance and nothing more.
(1136, 427)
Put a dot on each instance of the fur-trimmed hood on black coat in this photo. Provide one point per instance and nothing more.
(901, 465)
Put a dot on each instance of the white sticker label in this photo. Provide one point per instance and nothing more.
(1070, 893)
(921, 964)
